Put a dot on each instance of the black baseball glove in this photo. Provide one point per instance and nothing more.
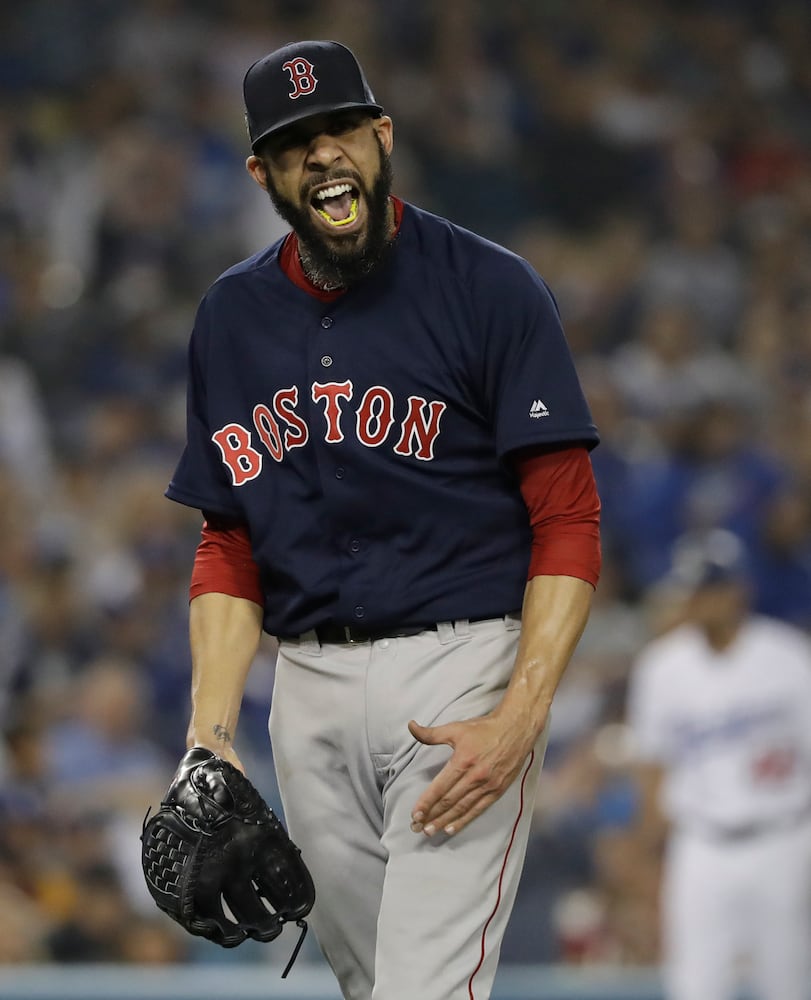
(214, 842)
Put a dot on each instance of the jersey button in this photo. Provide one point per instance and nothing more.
(326, 322)
(359, 611)
(340, 473)
(354, 545)
(326, 361)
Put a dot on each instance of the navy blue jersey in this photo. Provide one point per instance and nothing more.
(363, 441)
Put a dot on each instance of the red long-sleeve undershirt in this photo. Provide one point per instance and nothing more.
(564, 510)
(557, 486)
(224, 563)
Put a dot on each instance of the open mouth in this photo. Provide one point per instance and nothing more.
(337, 204)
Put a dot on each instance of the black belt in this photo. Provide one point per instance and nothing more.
(332, 633)
(351, 633)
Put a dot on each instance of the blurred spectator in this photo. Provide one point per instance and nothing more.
(695, 266)
(669, 367)
(23, 808)
(99, 759)
(25, 447)
(781, 558)
(99, 922)
(23, 784)
(23, 928)
(103, 772)
(713, 473)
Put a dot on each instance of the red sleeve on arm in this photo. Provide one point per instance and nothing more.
(224, 564)
(564, 509)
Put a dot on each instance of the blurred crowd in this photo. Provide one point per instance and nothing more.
(651, 158)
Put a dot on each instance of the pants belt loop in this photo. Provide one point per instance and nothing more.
(461, 628)
(444, 631)
(308, 642)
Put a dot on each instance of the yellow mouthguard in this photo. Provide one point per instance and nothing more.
(353, 214)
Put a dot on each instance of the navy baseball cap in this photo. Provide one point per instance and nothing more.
(301, 80)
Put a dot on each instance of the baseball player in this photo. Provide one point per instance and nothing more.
(721, 710)
(389, 444)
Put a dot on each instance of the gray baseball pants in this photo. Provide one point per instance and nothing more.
(398, 916)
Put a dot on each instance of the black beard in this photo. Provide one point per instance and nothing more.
(325, 265)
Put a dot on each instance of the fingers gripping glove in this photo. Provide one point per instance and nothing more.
(214, 843)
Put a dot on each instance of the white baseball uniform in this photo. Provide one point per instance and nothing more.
(732, 730)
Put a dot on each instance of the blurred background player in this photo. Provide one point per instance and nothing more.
(720, 708)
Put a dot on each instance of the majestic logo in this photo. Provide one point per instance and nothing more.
(538, 409)
(280, 428)
(302, 77)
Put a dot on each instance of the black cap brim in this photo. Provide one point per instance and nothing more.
(375, 110)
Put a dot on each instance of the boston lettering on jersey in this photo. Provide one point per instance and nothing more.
(280, 428)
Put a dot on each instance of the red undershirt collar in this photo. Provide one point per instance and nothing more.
(290, 262)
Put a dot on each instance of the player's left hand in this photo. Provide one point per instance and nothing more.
(488, 754)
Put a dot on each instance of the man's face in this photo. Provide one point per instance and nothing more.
(329, 177)
(720, 605)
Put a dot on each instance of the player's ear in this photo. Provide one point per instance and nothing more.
(256, 168)
(384, 127)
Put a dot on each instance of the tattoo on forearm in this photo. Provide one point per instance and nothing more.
(222, 734)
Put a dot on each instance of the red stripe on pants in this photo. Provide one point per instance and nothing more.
(500, 879)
